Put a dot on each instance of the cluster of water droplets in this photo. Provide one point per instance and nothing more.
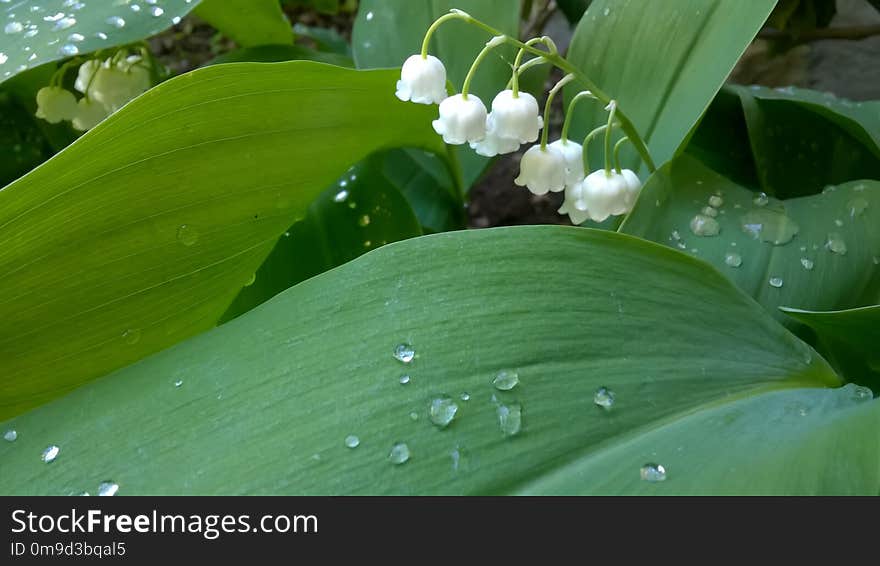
(63, 28)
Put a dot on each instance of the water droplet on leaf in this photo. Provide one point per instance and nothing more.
(399, 453)
(653, 473)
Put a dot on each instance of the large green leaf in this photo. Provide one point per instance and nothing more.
(455, 43)
(850, 338)
(829, 263)
(360, 211)
(264, 404)
(663, 63)
(801, 145)
(38, 31)
(248, 22)
(143, 231)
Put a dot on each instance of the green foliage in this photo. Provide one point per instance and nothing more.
(100, 25)
(663, 65)
(286, 383)
(248, 22)
(173, 228)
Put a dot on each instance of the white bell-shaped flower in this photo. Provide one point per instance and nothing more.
(114, 85)
(85, 74)
(55, 104)
(89, 114)
(602, 195)
(633, 187)
(568, 207)
(461, 120)
(422, 80)
(493, 144)
(573, 153)
(542, 170)
(515, 117)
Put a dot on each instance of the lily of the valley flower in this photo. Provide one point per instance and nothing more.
(462, 119)
(602, 194)
(115, 85)
(89, 114)
(515, 116)
(576, 216)
(422, 80)
(55, 104)
(493, 144)
(542, 170)
(573, 153)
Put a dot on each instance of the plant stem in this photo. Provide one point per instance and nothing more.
(525, 67)
(555, 59)
(577, 98)
(547, 107)
(490, 45)
(586, 147)
(611, 113)
(518, 62)
(617, 146)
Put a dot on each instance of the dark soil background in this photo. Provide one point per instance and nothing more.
(846, 67)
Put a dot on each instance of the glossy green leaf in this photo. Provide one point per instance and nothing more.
(277, 53)
(39, 31)
(359, 212)
(662, 63)
(828, 243)
(850, 338)
(143, 231)
(455, 43)
(248, 22)
(803, 140)
(264, 404)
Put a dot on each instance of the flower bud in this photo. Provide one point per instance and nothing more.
(542, 170)
(461, 119)
(422, 80)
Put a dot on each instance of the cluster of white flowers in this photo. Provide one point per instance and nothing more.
(514, 120)
(106, 87)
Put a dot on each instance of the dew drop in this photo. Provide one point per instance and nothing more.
(510, 419)
(187, 235)
(835, 243)
(702, 225)
(860, 392)
(769, 225)
(64, 23)
(465, 396)
(369, 16)
(108, 488)
(178, 383)
(10, 435)
(604, 398)
(68, 50)
(414, 416)
(857, 207)
(404, 353)
(13, 27)
(442, 411)
(709, 211)
(776, 282)
(131, 336)
(116, 22)
(340, 196)
(364, 220)
(175, 20)
(653, 473)
(404, 379)
(761, 200)
(399, 453)
(3, 58)
(76, 37)
(716, 201)
(156, 11)
(807, 263)
(505, 380)
(135, 8)
(50, 453)
(733, 259)
(352, 441)
(250, 281)
(101, 35)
